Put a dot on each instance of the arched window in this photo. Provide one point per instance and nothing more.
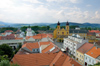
(62, 32)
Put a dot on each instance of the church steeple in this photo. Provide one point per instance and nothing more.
(67, 23)
(58, 23)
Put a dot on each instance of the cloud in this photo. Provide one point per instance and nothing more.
(74, 1)
(88, 5)
(34, 11)
(33, 1)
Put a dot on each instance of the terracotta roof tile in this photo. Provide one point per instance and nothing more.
(85, 47)
(34, 59)
(94, 52)
(42, 59)
(30, 46)
(18, 38)
(8, 37)
(39, 36)
(95, 31)
(8, 31)
(47, 48)
(0, 37)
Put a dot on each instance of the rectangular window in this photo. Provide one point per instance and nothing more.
(86, 57)
(89, 60)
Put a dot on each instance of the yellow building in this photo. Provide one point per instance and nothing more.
(61, 33)
(91, 37)
(81, 51)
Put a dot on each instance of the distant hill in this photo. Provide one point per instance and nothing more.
(52, 25)
(92, 25)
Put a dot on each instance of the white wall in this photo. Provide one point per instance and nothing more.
(89, 60)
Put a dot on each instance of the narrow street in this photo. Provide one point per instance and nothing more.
(59, 44)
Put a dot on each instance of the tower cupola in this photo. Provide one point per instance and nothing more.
(67, 23)
(58, 23)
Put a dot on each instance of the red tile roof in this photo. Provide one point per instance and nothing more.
(42, 59)
(8, 37)
(0, 37)
(37, 59)
(30, 46)
(8, 31)
(85, 47)
(40, 36)
(94, 52)
(95, 31)
(18, 38)
(3, 33)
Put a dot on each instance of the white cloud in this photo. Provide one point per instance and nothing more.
(21, 11)
(88, 5)
(33, 1)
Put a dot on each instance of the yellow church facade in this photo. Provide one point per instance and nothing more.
(59, 33)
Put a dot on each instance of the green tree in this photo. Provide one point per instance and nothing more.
(8, 28)
(6, 50)
(4, 63)
(4, 57)
(7, 63)
(24, 28)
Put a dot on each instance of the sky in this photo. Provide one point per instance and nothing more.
(49, 11)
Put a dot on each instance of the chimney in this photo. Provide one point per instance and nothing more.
(11, 61)
(94, 43)
(91, 52)
(72, 64)
(96, 47)
(62, 54)
(53, 64)
(69, 59)
(84, 38)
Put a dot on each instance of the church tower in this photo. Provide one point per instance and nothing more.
(67, 28)
(58, 26)
(29, 31)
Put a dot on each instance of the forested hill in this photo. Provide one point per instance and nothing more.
(52, 25)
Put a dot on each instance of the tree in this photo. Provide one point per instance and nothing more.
(4, 57)
(7, 63)
(19, 46)
(6, 50)
(4, 63)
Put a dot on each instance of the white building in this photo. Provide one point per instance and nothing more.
(72, 43)
(92, 56)
(12, 43)
(8, 32)
(30, 32)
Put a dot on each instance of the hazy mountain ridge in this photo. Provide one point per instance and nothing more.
(52, 25)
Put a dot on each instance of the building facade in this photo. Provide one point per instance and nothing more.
(61, 33)
(81, 51)
(92, 56)
(30, 32)
(72, 43)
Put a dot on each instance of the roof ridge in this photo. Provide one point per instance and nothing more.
(56, 58)
(90, 48)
